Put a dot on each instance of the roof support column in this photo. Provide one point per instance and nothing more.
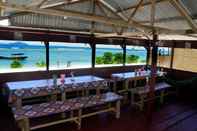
(93, 46)
(47, 55)
(153, 75)
(123, 45)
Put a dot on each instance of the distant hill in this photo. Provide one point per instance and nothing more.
(24, 45)
(21, 45)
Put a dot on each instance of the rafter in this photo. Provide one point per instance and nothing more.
(87, 17)
(185, 13)
(133, 14)
(113, 10)
(93, 9)
(152, 20)
(62, 2)
(103, 11)
(143, 4)
(41, 3)
(1, 10)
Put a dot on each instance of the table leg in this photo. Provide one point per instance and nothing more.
(98, 91)
(135, 83)
(132, 96)
(63, 96)
(79, 118)
(141, 102)
(114, 86)
(18, 103)
(87, 92)
(118, 109)
(127, 85)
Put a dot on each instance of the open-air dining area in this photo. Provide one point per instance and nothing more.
(98, 65)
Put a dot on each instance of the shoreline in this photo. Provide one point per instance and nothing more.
(27, 69)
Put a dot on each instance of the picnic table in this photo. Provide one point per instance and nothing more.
(131, 76)
(34, 88)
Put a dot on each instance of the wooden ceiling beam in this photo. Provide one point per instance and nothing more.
(153, 8)
(103, 11)
(133, 13)
(185, 13)
(1, 9)
(87, 17)
(112, 9)
(61, 3)
(143, 4)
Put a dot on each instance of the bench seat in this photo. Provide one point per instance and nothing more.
(142, 92)
(58, 107)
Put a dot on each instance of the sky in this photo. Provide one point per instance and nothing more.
(4, 22)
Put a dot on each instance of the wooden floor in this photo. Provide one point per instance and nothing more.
(172, 116)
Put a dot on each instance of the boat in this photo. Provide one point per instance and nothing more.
(18, 54)
(13, 57)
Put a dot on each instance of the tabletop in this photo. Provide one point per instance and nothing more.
(32, 88)
(130, 75)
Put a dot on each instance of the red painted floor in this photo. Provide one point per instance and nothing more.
(174, 116)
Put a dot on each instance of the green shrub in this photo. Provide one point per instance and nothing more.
(99, 60)
(16, 64)
(143, 61)
(41, 64)
(133, 59)
(118, 58)
(108, 58)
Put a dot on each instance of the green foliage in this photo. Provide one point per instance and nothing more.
(108, 58)
(41, 64)
(118, 58)
(142, 61)
(133, 59)
(16, 64)
(99, 60)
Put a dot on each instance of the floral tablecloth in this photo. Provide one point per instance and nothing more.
(34, 88)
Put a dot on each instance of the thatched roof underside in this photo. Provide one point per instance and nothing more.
(105, 18)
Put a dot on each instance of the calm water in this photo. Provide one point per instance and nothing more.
(60, 56)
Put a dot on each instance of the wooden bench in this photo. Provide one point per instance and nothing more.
(142, 92)
(73, 106)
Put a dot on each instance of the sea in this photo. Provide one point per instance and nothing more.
(59, 56)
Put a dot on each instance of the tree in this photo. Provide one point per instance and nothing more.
(41, 64)
(118, 58)
(16, 64)
(133, 59)
(99, 60)
(108, 58)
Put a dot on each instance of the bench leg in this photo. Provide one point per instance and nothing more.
(141, 102)
(162, 97)
(118, 109)
(79, 118)
(63, 97)
(24, 124)
(132, 97)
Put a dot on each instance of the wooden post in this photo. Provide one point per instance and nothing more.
(148, 54)
(151, 94)
(172, 57)
(93, 46)
(47, 54)
(124, 52)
